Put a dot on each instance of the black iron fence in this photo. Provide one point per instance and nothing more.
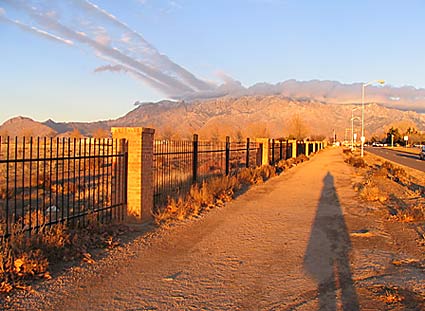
(301, 148)
(44, 181)
(179, 164)
(279, 149)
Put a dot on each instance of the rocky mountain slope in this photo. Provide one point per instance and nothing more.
(244, 116)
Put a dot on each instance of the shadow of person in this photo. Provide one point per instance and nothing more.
(326, 258)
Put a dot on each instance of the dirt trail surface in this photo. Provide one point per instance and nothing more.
(297, 242)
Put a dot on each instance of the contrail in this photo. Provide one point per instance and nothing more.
(180, 71)
(157, 70)
(34, 30)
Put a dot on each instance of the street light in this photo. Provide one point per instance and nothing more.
(363, 87)
(352, 125)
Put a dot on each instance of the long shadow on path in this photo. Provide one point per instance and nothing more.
(327, 254)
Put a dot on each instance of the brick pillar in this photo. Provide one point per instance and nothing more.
(294, 148)
(140, 171)
(266, 150)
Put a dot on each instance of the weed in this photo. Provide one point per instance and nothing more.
(356, 162)
(26, 255)
(216, 191)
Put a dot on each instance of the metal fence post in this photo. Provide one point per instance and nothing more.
(247, 153)
(227, 155)
(287, 150)
(259, 156)
(281, 150)
(195, 158)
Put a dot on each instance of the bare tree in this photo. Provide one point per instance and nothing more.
(297, 128)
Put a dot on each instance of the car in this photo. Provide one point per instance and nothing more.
(422, 153)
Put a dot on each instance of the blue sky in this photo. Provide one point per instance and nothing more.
(248, 40)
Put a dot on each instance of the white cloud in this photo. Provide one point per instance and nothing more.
(83, 23)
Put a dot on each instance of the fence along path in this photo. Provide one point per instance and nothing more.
(51, 180)
(263, 251)
(45, 181)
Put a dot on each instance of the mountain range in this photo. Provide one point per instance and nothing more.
(261, 110)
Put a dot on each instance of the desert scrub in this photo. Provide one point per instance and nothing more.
(28, 255)
(390, 185)
(218, 190)
(355, 161)
(210, 193)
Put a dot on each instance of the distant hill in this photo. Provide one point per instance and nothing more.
(23, 126)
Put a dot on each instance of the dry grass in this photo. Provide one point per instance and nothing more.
(218, 190)
(26, 256)
(397, 190)
(355, 161)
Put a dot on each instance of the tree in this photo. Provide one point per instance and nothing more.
(297, 128)
(393, 135)
(259, 130)
(75, 133)
(239, 137)
(101, 133)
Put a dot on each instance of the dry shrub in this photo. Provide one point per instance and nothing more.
(390, 184)
(26, 255)
(347, 151)
(218, 190)
(246, 176)
(286, 164)
(394, 172)
(210, 193)
(391, 297)
(409, 213)
(264, 173)
(371, 192)
(20, 260)
(301, 158)
(356, 161)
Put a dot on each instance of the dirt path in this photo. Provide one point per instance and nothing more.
(283, 245)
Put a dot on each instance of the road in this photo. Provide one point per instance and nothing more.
(403, 158)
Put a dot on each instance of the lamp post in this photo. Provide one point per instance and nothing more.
(363, 139)
(352, 126)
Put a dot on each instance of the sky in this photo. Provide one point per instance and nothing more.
(81, 60)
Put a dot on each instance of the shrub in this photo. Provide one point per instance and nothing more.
(356, 162)
(27, 255)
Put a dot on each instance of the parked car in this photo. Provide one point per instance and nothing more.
(422, 153)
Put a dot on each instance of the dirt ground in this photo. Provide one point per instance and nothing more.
(301, 241)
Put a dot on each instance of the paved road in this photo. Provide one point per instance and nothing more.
(403, 158)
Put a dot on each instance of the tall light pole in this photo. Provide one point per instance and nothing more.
(363, 139)
(352, 125)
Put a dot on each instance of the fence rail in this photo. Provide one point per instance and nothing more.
(49, 180)
(179, 164)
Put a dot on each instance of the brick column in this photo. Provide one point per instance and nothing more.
(266, 150)
(140, 171)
